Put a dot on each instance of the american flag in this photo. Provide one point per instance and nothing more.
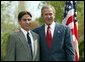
(70, 20)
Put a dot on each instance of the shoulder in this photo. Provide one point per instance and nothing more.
(62, 26)
(14, 34)
(38, 29)
(34, 33)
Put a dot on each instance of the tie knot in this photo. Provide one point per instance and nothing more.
(48, 26)
(28, 35)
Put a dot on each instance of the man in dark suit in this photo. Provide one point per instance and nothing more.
(23, 46)
(55, 39)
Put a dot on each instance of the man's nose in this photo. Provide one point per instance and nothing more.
(27, 21)
(48, 16)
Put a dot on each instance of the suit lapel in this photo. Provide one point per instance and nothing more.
(55, 31)
(23, 40)
(35, 46)
(43, 37)
(35, 43)
(56, 35)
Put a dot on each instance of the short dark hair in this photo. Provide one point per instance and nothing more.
(22, 13)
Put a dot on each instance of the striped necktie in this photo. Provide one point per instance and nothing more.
(29, 42)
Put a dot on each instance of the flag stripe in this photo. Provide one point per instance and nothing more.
(71, 21)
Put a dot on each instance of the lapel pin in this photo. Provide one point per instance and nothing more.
(58, 31)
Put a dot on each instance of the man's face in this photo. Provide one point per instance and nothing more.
(24, 22)
(48, 15)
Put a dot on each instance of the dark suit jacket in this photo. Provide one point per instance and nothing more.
(18, 48)
(62, 48)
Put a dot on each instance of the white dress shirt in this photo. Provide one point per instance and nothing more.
(52, 27)
(31, 37)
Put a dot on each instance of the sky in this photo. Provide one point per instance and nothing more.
(31, 6)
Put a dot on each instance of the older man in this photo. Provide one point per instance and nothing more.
(55, 39)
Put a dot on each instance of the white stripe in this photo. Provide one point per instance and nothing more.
(74, 38)
(71, 25)
(70, 13)
(76, 24)
(75, 46)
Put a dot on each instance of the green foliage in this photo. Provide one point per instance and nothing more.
(4, 39)
(80, 17)
(4, 11)
(81, 50)
(6, 29)
(40, 20)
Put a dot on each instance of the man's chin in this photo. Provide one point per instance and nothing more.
(26, 28)
(48, 23)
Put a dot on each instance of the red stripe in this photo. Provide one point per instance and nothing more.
(76, 56)
(70, 19)
(76, 31)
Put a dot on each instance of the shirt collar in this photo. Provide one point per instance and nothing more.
(24, 31)
(51, 26)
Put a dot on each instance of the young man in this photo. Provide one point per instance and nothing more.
(24, 44)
